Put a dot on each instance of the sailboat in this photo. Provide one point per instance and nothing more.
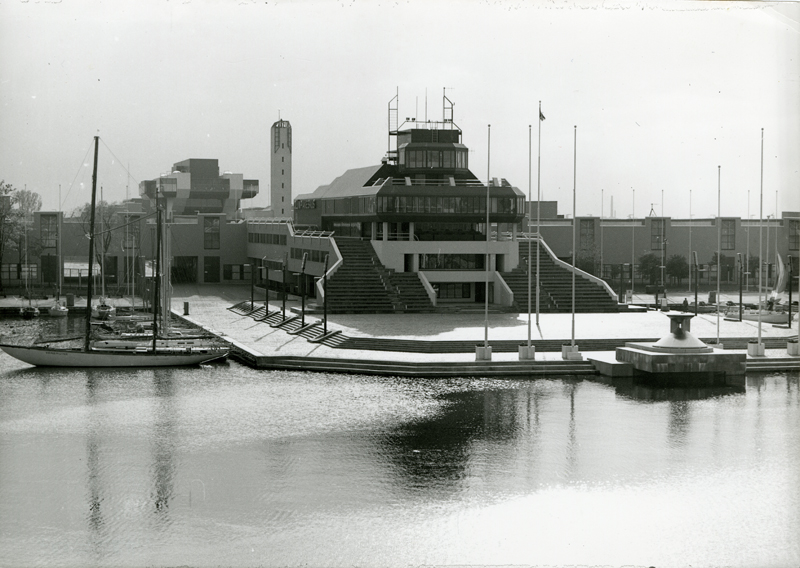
(156, 354)
(772, 312)
(30, 311)
(102, 311)
(58, 309)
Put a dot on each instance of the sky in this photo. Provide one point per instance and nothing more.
(669, 99)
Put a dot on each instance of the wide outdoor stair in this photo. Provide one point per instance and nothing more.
(410, 293)
(362, 285)
(555, 287)
(357, 287)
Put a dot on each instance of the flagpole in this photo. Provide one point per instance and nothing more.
(719, 243)
(633, 237)
(486, 292)
(574, 224)
(760, 236)
(530, 214)
(538, 208)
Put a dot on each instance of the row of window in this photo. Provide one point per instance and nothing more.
(19, 271)
(452, 291)
(439, 204)
(452, 262)
(266, 238)
(447, 159)
(236, 272)
(311, 254)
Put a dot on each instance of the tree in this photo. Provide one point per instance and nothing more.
(17, 207)
(677, 267)
(588, 259)
(7, 220)
(650, 266)
(106, 220)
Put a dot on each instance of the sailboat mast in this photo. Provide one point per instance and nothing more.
(157, 275)
(89, 290)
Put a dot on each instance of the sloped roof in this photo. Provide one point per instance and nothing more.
(349, 184)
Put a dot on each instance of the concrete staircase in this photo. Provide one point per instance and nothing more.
(555, 287)
(362, 285)
(358, 286)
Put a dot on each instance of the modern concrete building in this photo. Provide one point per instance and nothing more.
(195, 186)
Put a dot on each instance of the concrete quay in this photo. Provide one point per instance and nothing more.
(443, 345)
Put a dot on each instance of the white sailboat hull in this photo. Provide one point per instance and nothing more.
(48, 357)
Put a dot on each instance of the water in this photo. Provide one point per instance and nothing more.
(223, 465)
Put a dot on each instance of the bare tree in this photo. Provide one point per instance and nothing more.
(17, 207)
(106, 220)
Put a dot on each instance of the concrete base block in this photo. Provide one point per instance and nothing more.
(483, 353)
(527, 353)
(793, 348)
(715, 363)
(567, 348)
(755, 349)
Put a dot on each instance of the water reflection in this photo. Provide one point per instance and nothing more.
(164, 430)
(646, 390)
(341, 470)
(93, 467)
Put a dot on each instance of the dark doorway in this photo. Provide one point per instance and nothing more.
(211, 269)
(184, 270)
(480, 292)
(50, 269)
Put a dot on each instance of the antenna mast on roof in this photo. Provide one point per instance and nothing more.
(393, 125)
(447, 106)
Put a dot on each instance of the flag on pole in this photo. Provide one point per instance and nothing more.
(541, 116)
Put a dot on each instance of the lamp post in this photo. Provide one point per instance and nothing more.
(252, 287)
(741, 276)
(266, 285)
(302, 286)
(696, 278)
(285, 280)
(325, 298)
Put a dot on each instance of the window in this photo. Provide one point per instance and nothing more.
(49, 231)
(728, 234)
(211, 233)
(586, 233)
(452, 291)
(657, 234)
(451, 261)
(794, 234)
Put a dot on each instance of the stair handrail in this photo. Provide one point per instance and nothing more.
(331, 271)
(505, 289)
(577, 270)
(428, 288)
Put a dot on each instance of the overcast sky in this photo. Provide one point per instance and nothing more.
(661, 95)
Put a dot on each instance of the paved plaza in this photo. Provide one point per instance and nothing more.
(208, 307)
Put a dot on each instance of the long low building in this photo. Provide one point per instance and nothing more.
(416, 232)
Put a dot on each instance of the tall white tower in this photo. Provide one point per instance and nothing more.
(280, 189)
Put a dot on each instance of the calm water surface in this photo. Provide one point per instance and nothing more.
(223, 465)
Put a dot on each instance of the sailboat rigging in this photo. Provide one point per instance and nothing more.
(161, 353)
